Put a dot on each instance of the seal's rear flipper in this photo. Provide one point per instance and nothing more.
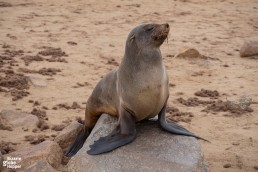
(78, 143)
(174, 128)
(123, 134)
(109, 143)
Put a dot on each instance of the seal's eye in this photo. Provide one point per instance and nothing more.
(149, 29)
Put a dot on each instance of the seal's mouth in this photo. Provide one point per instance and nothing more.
(160, 32)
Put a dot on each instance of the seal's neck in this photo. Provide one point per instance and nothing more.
(147, 57)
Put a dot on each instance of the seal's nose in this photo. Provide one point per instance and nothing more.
(167, 25)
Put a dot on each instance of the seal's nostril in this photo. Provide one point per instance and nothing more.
(167, 25)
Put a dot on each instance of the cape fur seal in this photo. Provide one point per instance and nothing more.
(136, 91)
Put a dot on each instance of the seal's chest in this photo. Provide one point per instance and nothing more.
(154, 83)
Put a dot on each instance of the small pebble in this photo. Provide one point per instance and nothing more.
(227, 165)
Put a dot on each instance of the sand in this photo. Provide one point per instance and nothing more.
(72, 44)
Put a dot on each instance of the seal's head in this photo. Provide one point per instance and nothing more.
(148, 35)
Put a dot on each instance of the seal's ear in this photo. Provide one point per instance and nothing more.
(132, 38)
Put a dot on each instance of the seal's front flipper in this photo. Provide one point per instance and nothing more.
(123, 134)
(79, 141)
(174, 128)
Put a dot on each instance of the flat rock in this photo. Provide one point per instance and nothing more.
(249, 48)
(152, 150)
(190, 53)
(67, 136)
(40, 166)
(17, 119)
(37, 81)
(49, 151)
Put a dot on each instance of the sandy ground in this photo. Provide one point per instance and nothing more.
(93, 35)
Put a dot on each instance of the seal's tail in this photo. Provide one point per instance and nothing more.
(78, 143)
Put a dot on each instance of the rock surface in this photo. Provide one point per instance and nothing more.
(249, 48)
(67, 136)
(152, 150)
(36, 80)
(40, 166)
(47, 150)
(17, 119)
(190, 53)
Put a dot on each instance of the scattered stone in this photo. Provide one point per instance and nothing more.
(42, 125)
(39, 113)
(36, 140)
(3, 90)
(200, 73)
(176, 115)
(36, 81)
(226, 165)
(43, 71)
(47, 150)
(5, 4)
(29, 59)
(19, 119)
(207, 93)
(113, 62)
(134, 5)
(4, 125)
(6, 147)
(81, 85)
(44, 107)
(80, 120)
(13, 53)
(67, 136)
(18, 94)
(40, 166)
(190, 53)
(194, 101)
(75, 105)
(67, 121)
(6, 46)
(58, 127)
(227, 106)
(11, 36)
(249, 48)
(170, 55)
(235, 143)
(171, 85)
(25, 129)
(17, 81)
(65, 160)
(49, 71)
(152, 150)
(36, 103)
(245, 101)
(57, 59)
(54, 52)
(29, 138)
(71, 43)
